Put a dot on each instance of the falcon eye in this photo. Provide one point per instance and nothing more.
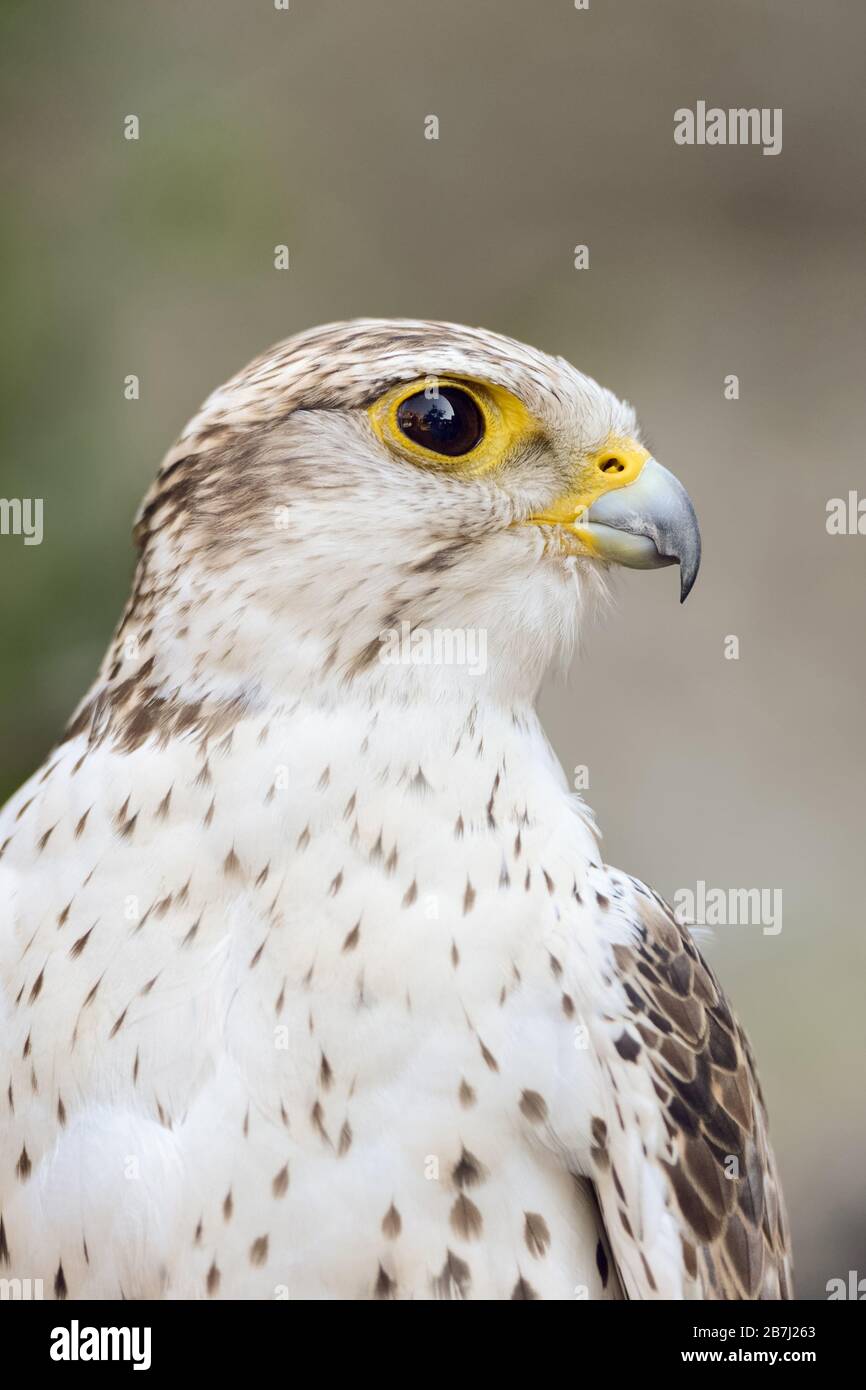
(446, 421)
(457, 425)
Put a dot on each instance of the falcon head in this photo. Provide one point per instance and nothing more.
(381, 476)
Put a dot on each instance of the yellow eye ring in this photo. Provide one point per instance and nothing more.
(465, 426)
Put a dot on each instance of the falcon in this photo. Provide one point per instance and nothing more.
(313, 981)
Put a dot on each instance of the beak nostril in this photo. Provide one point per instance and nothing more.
(612, 465)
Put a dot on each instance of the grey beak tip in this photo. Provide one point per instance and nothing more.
(688, 575)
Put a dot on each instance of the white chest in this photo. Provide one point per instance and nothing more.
(342, 963)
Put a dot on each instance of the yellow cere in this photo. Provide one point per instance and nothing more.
(507, 425)
(619, 463)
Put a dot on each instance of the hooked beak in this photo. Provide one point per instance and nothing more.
(643, 518)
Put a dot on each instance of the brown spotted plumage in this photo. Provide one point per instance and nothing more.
(720, 1180)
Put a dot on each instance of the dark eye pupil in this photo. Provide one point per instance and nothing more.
(447, 422)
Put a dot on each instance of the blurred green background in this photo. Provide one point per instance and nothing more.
(261, 127)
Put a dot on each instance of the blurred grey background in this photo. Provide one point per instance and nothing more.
(261, 127)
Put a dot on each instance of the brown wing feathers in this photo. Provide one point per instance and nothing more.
(719, 1165)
